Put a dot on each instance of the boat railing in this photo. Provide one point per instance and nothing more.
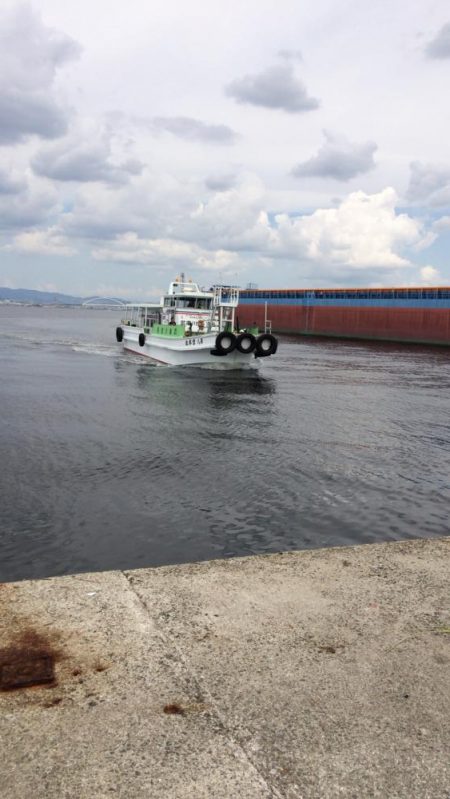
(226, 296)
(184, 287)
(267, 322)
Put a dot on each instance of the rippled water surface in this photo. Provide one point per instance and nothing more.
(110, 462)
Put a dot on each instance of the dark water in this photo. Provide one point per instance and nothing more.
(110, 462)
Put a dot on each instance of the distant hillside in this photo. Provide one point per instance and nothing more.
(39, 297)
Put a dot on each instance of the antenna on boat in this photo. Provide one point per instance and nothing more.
(182, 280)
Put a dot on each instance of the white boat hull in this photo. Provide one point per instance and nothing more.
(192, 350)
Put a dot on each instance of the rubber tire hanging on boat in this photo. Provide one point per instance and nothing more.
(261, 351)
(216, 352)
(119, 334)
(245, 337)
(141, 339)
(224, 348)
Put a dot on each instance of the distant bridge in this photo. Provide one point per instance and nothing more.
(104, 302)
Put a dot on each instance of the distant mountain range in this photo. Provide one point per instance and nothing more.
(39, 297)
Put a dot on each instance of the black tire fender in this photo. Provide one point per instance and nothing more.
(225, 342)
(245, 343)
(119, 334)
(216, 352)
(141, 339)
(266, 345)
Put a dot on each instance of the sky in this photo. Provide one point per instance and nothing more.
(271, 142)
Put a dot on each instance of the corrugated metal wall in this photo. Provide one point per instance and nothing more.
(426, 325)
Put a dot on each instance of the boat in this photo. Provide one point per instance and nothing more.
(193, 326)
(419, 315)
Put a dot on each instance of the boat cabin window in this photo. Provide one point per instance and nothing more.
(188, 302)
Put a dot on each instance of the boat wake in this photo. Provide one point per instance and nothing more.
(96, 349)
(89, 348)
(223, 367)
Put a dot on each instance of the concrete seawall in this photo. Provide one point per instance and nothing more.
(307, 675)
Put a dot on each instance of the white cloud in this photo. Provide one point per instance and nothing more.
(154, 70)
(429, 275)
(43, 242)
(364, 231)
(442, 224)
(154, 205)
(11, 183)
(235, 219)
(130, 248)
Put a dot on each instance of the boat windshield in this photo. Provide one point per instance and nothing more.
(203, 303)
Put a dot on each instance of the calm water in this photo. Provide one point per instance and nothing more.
(110, 462)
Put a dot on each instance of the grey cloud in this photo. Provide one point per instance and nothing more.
(338, 159)
(194, 130)
(290, 55)
(275, 87)
(25, 209)
(87, 222)
(429, 183)
(10, 185)
(30, 55)
(144, 207)
(442, 198)
(220, 182)
(133, 166)
(86, 225)
(439, 47)
(31, 52)
(24, 115)
(23, 202)
(85, 163)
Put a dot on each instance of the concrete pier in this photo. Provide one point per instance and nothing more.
(309, 675)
